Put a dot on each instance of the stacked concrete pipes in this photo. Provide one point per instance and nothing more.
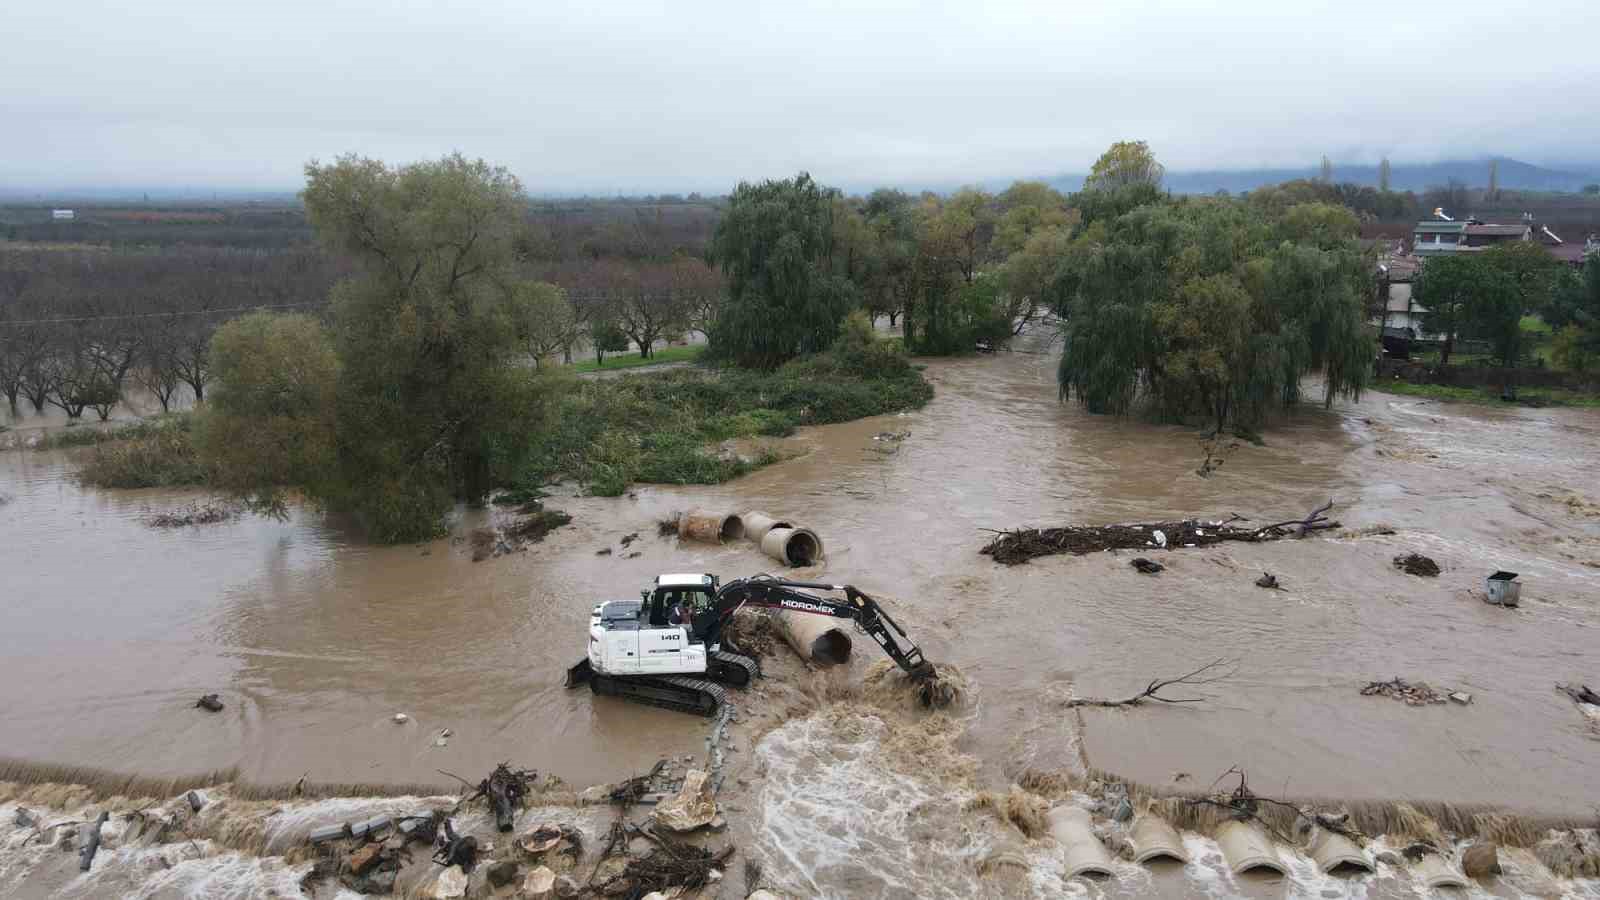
(815, 637)
(779, 539)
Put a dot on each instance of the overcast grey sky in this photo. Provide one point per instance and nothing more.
(619, 95)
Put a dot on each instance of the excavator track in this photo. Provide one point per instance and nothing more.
(679, 692)
(732, 669)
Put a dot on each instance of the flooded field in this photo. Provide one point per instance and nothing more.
(110, 629)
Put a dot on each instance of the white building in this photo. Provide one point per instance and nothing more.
(63, 215)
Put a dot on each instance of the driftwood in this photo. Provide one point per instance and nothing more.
(91, 843)
(1579, 693)
(1015, 547)
(506, 788)
(670, 864)
(1206, 674)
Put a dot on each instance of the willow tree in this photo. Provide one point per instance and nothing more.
(1203, 308)
(775, 244)
(433, 401)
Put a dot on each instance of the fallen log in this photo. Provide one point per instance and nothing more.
(91, 843)
(1015, 547)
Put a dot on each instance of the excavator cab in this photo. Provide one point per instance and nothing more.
(677, 600)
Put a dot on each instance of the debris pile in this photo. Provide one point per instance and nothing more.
(1413, 693)
(1015, 547)
(195, 514)
(1417, 564)
(515, 536)
(1146, 566)
(506, 789)
(671, 864)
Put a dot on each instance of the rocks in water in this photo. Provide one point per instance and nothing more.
(364, 858)
(692, 807)
(503, 873)
(539, 885)
(1417, 564)
(1146, 566)
(451, 883)
(1481, 860)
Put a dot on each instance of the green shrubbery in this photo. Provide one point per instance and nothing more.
(657, 428)
(159, 453)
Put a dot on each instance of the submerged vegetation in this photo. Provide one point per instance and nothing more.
(659, 428)
(158, 453)
(1207, 307)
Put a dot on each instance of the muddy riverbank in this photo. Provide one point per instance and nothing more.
(111, 629)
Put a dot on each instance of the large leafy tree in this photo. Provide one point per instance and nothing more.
(1203, 307)
(1125, 164)
(775, 244)
(431, 398)
(270, 422)
(1447, 289)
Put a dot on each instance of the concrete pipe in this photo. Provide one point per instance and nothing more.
(1155, 838)
(1332, 850)
(757, 524)
(710, 528)
(814, 637)
(1246, 847)
(1082, 851)
(792, 546)
(1435, 872)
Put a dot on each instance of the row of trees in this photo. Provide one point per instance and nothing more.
(78, 329)
(1485, 296)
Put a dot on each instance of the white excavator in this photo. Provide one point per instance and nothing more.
(667, 648)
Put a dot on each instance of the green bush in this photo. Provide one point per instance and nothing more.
(159, 454)
(656, 428)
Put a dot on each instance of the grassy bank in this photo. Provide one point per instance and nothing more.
(662, 429)
(1490, 396)
(154, 453)
(604, 433)
(634, 360)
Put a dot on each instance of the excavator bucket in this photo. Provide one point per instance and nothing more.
(580, 673)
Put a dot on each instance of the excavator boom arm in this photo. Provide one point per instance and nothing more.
(774, 593)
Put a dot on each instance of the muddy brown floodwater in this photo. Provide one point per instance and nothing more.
(109, 629)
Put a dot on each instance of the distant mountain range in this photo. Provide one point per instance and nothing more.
(1512, 174)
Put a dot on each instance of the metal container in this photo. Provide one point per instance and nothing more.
(1503, 589)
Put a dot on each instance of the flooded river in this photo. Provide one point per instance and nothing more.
(109, 629)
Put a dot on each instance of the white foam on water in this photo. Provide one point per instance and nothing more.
(838, 819)
(230, 876)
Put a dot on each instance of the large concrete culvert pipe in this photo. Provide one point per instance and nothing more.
(814, 637)
(757, 524)
(710, 528)
(792, 546)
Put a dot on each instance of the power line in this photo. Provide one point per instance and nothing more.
(158, 315)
